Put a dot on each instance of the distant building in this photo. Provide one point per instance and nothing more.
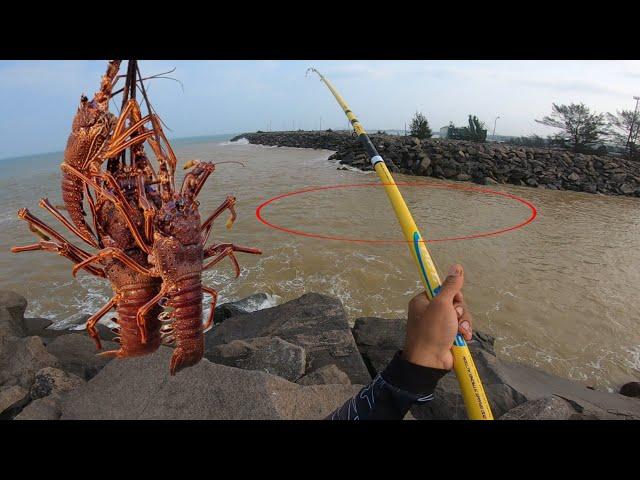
(444, 132)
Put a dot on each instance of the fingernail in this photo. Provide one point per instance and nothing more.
(459, 310)
(454, 270)
(466, 326)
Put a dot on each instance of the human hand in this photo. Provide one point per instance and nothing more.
(433, 325)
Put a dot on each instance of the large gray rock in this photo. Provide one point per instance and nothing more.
(73, 324)
(69, 322)
(631, 389)
(141, 388)
(509, 384)
(252, 303)
(327, 375)
(506, 384)
(12, 399)
(314, 322)
(448, 403)
(36, 326)
(546, 408)
(266, 354)
(46, 408)
(21, 358)
(77, 354)
(378, 340)
(53, 381)
(12, 308)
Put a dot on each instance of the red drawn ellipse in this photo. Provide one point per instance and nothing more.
(486, 191)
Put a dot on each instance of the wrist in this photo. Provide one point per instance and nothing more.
(432, 358)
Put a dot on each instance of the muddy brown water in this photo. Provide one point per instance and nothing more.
(559, 294)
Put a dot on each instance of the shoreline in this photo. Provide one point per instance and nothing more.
(481, 163)
(257, 366)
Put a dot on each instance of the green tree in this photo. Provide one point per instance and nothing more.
(419, 127)
(477, 130)
(580, 130)
(625, 126)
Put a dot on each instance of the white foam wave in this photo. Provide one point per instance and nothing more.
(240, 141)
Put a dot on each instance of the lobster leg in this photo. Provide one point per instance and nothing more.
(143, 311)
(116, 253)
(226, 252)
(211, 250)
(132, 227)
(214, 301)
(147, 209)
(91, 322)
(92, 207)
(34, 221)
(117, 191)
(44, 203)
(61, 250)
(106, 85)
(228, 204)
(195, 180)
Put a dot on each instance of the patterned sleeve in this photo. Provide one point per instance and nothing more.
(392, 392)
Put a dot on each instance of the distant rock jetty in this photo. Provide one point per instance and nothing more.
(299, 360)
(482, 163)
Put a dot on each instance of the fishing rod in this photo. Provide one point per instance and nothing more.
(473, 394)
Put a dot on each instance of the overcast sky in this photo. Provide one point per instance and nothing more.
(38, 98)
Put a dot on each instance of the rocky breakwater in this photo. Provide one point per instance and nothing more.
(298, 360)
(482, 163)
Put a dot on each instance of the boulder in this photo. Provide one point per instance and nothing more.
(12, 399)
(248, 304)
(490, 181)
(315, 322)
(36, 326)
(70, 322)
(545, 408)
(51, 380)
(12, 308)
(266, 354)
(21, 358)
(506, 384)
(141, 388)
(378, 340)
(631, 389)
(77, 354)
(45, 408)
(327, 375)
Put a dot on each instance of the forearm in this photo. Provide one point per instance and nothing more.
(392, 393)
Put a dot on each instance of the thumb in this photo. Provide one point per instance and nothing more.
(453, 283)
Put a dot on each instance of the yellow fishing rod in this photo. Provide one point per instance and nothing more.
(473, 394)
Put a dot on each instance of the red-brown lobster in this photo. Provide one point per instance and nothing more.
(152, 244)
(94, 129)
(177, 255)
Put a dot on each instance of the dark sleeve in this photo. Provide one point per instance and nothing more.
(392, 392)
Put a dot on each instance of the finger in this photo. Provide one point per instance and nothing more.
(419, 302)
(458, 298)
(465, 324)
(453, 283)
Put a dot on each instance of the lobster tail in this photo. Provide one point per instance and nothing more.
(134, 297)
(184, 326)
(73, 196)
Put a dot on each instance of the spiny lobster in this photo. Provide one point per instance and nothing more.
(151, 240)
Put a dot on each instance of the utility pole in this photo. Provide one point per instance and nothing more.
(320, 122)
(494, 128)
(633, 121)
